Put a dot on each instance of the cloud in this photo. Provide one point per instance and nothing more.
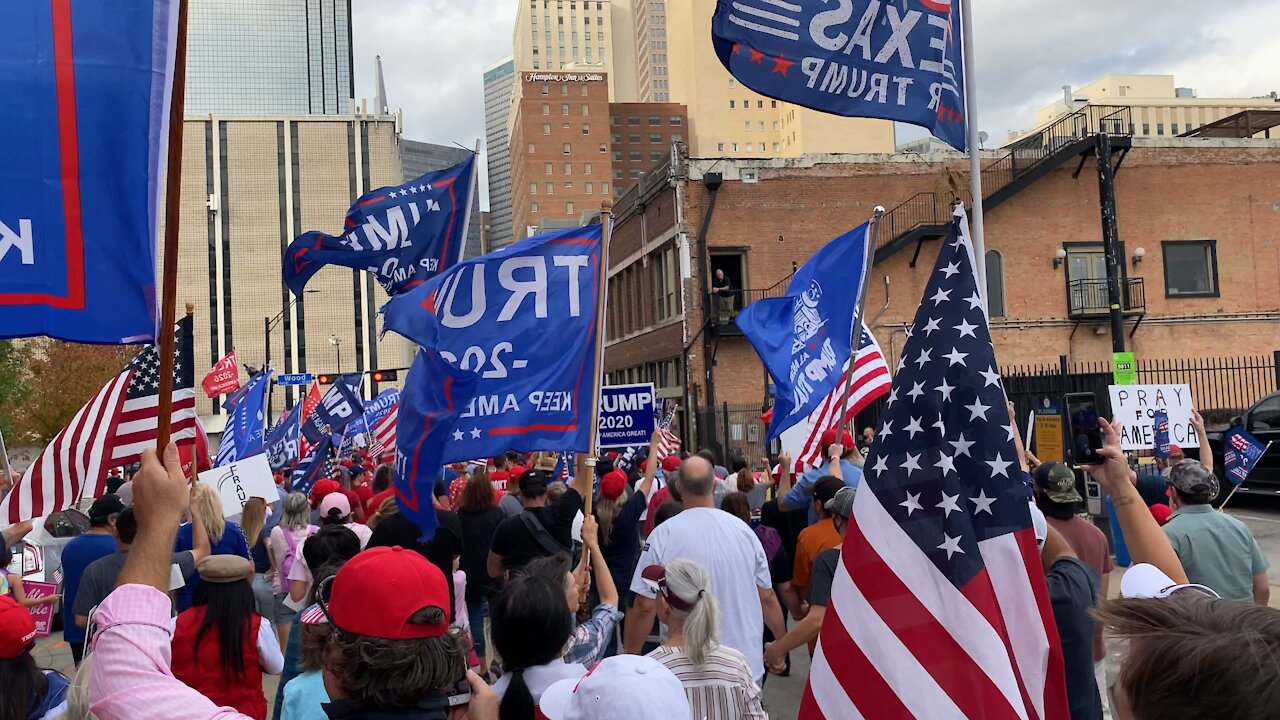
(434, 52)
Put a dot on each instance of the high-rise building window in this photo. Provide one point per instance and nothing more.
(676, 120)
(546, 108)
(568, 207)
(633, 120)
(720, 147)
(546, 128)
(546, 168)
(773, 103)
(588, 187)
(655, 138)
(1159, 128)
(617, 156)
(761, 123)
(568, 149)
(586, 128)
(530, 148)
(586, 168)
(617, 173)
(655, 156)
(731, 105)
(544, 89)
(533, 207)
(735, 147)
(564, 90)
(604, 188)
(1174, 129)
(568, 168)
(551, 188)
(583, 90)
(564, 108)
(585, 108)
(568, 184)
(1146, 128)
(634, 156)
(633, 138)
(747, 126)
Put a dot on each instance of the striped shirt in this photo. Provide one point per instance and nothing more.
(721, 689)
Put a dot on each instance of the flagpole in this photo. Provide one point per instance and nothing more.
(602, 286)
(172, 213)
(855, 338)
(977, 232)
(1227, 499)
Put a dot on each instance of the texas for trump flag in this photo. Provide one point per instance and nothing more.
(804, 338)
(860, 58)
(404, 235)
(82, 150)
(939, 606)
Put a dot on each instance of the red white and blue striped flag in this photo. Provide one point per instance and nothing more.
(939, 606)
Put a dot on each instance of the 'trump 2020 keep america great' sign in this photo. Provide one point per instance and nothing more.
(861, 58)
(626, 415)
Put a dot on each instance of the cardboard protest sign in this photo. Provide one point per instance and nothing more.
(42, 613)
(1135, 406)
(241, 480)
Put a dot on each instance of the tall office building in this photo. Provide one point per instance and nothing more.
(552, 34)
(499, 80)
(651, 50)
(725, 118)
(1158, 107)
(269, 57)
(420, 158)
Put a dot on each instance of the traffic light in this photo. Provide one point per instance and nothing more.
(385, 375)
(326, 379)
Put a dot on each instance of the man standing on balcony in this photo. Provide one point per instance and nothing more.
(722, 289)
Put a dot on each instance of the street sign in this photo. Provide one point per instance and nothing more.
(294, 379)
(1124, 368)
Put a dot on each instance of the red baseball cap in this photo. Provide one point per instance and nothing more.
(322, 488)
(378, 591)
(830, 434)
(613, 484)
(1175, 451)
(17, 628)
(515, 471)
(670, 463)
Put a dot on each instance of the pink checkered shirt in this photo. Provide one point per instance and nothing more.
(129, 678)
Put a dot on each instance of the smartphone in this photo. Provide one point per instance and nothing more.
(459, 694)
(1086, 434)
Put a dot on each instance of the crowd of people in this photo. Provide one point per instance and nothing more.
(672, 589)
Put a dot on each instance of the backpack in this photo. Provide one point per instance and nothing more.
(290, 554)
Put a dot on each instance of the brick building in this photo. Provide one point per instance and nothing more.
(1199, 221)
(571, 148)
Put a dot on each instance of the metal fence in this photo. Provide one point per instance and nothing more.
(1221, 387)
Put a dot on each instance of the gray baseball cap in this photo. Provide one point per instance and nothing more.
(842, 503)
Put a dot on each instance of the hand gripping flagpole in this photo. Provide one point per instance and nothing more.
(172, 213)
(977, 233)
(855, 338)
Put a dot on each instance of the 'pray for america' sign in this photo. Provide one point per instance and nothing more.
(1134, 407)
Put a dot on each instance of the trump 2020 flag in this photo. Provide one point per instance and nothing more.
(939, 606)
(524, 319)
(82, 150)
(1160, 421)
(434, 395)
(338, 407)
(282, 440)
(246, 426)
(859, 58)
(805, 337)
(1241, 451)
(404, 235)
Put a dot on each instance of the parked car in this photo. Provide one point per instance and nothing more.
(1263, 422)
(38, 556)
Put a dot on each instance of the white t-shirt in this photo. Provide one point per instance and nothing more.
(732, 553)
(540, 677)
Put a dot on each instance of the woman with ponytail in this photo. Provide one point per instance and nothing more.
(716, 679)
(531, 624)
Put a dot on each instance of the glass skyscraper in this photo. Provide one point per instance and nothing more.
(499, 81)
(269, 57)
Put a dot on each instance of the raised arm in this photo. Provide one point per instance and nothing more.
(1206, 452)
(650, 465)
(605, 586)
(1147, 542)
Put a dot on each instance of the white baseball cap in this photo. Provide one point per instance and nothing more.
(1148, 581)
(623, 687)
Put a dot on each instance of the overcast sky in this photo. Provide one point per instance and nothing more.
(434, 52)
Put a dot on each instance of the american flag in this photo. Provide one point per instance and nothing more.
(112, 429)
(383, 446)
(668, 443)
(870, 380)
(939, 606)
(137, 428)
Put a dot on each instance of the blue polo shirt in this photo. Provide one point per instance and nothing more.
(801, 495)
(76, 556)
(1216, 550)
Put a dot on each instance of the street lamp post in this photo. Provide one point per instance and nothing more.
(269, 324)
(336, 342)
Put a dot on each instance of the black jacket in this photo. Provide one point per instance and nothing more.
(433, 706)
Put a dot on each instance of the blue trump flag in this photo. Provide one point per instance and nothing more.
(82, 151)
(524, 319)
(282, 441)
(1240, 453)
(245, 428)
(339, 407)
(404, 235)
(316, 465)
(804, 337)
(859, 58)
(1160, 422)
(434, 395)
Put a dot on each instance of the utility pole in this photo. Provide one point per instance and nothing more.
(1110, 239)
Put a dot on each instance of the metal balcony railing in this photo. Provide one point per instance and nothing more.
(1088, 297)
